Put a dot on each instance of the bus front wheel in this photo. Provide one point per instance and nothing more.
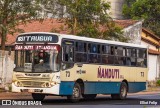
(123, 92)
(76, 95)
(38, 97)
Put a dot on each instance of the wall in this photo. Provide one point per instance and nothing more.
(134, 32)
(6, 68)
(149, 45)
(153, 64)
(153, 72)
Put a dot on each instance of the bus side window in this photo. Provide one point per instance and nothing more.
(106, 51)
(112, 50)
(92, 54)
(89, 48)
(141, 58)
(128, 61)
(68, 53)
(80, 54)
(130, 57)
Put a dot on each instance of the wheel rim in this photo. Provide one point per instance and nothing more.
(76, 92)
(123, 91)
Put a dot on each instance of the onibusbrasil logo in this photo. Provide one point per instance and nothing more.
(20, 102)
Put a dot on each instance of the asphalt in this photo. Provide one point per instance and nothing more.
(151, 90)
(4, 93)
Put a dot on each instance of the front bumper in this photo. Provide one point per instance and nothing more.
(52, 90)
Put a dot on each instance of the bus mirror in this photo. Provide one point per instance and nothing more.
(63, 66)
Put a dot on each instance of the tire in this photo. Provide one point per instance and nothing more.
(122, 93)
(76, 95)
(89, 96)
(38, 97)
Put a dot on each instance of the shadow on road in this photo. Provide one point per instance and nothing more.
(101, 100)
(96, 101)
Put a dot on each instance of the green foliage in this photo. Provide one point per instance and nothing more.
(126, 11)
(158, 82)
(89, 31)
(148, 10)
(14, 12)
(111, 34)
(88, 18)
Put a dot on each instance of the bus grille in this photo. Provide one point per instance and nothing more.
(32, 84)
(33, 78)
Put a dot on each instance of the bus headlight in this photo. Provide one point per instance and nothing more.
(53, 83)
(49, 84)
(46, 84)
(18, 84)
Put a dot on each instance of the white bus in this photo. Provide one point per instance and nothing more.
(74, 66)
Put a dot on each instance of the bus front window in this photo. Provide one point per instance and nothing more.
(36, 61)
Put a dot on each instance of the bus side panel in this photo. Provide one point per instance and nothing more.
(136, 86)
(66, 87)
(102, 87)
(89, 87)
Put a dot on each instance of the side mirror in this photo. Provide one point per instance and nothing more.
(63, 65)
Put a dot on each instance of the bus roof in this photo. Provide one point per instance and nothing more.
(90, 39)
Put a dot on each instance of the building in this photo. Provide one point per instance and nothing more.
(153, 43)
(131, 29)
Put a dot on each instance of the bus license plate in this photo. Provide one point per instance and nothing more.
(30, 90)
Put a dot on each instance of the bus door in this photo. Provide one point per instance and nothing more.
(81, 57)
(67, 59)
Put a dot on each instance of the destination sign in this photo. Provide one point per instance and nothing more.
(37, 38)
(35, 47)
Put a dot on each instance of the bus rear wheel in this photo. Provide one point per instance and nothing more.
(123, 92)
(76, 95)
(89, 96)
(38, 97)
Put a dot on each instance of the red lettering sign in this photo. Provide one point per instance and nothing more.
(35, 47)
(108, 73)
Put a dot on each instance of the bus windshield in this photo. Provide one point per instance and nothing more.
(36, 58)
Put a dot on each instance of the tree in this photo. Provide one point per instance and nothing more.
(88, 18)
(148, 10)
(14, 12)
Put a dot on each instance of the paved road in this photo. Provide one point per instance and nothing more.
(141, 100)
